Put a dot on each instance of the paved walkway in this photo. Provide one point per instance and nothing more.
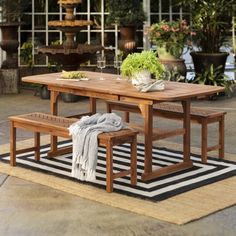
(31, 209)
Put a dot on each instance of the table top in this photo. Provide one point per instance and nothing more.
(173, 91)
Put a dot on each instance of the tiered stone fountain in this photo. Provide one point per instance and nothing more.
(70, 54)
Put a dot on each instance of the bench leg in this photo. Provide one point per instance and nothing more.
(37, 146)
(12, 144)
(134, 161)
(221, 138)
(126, 116)
(92, 105)
(109, 109)
(204, 141)
(109, 168)
(53, 146)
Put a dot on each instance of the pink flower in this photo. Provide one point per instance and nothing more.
(165, 27)
(172, 34)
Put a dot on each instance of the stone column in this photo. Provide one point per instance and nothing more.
(9, 81)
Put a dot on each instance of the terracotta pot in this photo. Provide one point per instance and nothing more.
(127, 40)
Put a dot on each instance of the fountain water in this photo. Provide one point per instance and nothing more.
(70, 54)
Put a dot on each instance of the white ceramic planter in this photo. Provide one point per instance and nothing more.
(141, 77)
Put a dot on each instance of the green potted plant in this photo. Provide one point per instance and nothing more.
(210, 21)
(146, 61)
(128, 15)
(214, 77)
(26, 53)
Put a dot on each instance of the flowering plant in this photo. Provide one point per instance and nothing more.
(171, 35)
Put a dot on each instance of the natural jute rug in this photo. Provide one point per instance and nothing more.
(179, 209)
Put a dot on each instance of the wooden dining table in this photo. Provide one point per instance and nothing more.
(111, 88)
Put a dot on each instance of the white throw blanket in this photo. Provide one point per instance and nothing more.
(151, 85)
(85, 143)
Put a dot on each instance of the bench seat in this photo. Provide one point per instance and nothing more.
(58, 126)
(174, 111)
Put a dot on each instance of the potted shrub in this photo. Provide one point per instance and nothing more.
(216, 78)
(210, 20)
(128, 15)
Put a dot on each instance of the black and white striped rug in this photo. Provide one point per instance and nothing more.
(155, 190)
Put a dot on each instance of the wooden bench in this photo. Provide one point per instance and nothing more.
(58, 126)
(175, 111)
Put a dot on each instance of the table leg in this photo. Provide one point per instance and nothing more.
(186, 126)
(54, 111)
(53, 102)
(147, 113)
(149, 173)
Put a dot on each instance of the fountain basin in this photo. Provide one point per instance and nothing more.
(73, 25)
(70, 55)
(69, 2)
(70, 58)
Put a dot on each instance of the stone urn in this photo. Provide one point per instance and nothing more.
(173, 63)
(44, 92)
(175, 66)
(203, 61)
(10, 44)
(127, 41)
